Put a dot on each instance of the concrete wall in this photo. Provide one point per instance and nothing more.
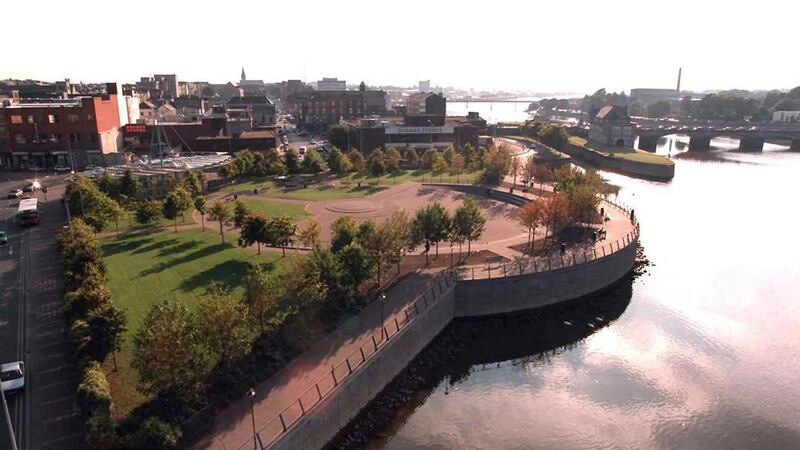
(529, 291)
(662, 172)
(463, 299)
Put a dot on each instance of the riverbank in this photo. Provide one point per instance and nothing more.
(630, 162)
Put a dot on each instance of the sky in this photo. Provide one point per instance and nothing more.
(535, 46)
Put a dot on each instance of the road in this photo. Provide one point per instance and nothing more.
(32, 323)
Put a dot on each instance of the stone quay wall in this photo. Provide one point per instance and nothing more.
(661, 172)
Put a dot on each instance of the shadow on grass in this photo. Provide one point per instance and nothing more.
(155, 246)
(202, 253)
(124, 246)
(180, 248)
(229, 274)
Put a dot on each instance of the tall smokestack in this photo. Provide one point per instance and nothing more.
(680, 69)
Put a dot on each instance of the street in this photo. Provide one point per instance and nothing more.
(32, 325)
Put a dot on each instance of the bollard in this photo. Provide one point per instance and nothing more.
(490, 271)
(504, 271)
(473, 274)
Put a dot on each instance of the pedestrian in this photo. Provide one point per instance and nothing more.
(563, 248)
(632, 215)
(602, 212)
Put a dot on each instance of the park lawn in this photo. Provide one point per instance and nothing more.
(274, 209)
(629, 154)
(409, 175)
(146, 268)
(318, 193)
(268, 182)
(125, 224)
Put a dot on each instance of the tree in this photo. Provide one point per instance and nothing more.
(339, 162)
(261, 294)
(343, 232)
(309, 235)
(543, 174)
(498, 163)
(200, 206)
(659, 109)
(470, 222)
(529, 216)
(412, 158)
(108, 324)
(240, 213)
(224, 327)
(439, 165)
(168, 352)
(431, 225)
(392, 159)
(147, 211)
(514, 168)
(337, 135)
(255, 230)
(89, 203)
(313, 162)
(356, 265)
(221, 214)
(357, 159)
(553, 135)
(107, 185)
(175, 204)
(469, 153)
(377, 163)
(449, 154)
(555, 214)
(192, 183)
(457, 166)
(291, 159)
(129, 185)
(303, 289)
(280, 231)
(428, 158)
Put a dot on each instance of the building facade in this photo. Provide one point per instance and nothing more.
(611, 126)
(318, 110)
(786, 116)
(331, 84)
(49, 132)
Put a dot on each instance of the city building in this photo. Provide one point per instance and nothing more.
(611, 126)
(319, 109)
(49, 132)
(35, 89)
(157, 87)
(424, 86)
(415, 131)
(331, 84)
(426, 103)
(258, 107)
(252, 87)
(786, 116)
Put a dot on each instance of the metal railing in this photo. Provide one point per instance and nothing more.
(315, 394)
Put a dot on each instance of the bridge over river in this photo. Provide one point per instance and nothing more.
(751, 136)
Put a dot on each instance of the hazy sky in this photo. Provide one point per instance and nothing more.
(545, 46)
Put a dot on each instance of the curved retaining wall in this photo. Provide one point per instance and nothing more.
(662, 172)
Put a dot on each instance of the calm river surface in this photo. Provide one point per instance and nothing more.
(703, 351)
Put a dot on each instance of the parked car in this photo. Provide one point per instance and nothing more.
(3, 238)
(302, 150)
(15, 193)
(29, 187)
(12, 376)
(62, 168)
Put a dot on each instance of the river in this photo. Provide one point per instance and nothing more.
(491, 112)
(702, 351)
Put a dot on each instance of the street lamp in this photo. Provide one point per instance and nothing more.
(382, 300)
(251, 394)
(451, 254)
(8, 420)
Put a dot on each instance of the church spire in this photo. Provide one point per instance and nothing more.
(244, 77)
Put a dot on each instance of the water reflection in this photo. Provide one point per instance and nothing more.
(701, 353)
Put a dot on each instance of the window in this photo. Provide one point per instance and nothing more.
(52, 118)
(16, 119)
(30, 119)
(20, 139)
(74, 138)
(90, 118)
(72, 118)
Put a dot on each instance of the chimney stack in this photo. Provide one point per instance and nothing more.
(680, 69)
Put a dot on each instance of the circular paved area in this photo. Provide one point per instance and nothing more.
(352, 206)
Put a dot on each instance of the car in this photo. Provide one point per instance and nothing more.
(313, 141)
(15, 193)
(12, 376)
(3, 238)
(62, 169)
(34, 168)
(302, 150)
(29, 187)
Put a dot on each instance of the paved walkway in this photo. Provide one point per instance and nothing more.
(233, 426)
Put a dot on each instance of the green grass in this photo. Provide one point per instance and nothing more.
(162, 222)
(407, 175)
(629, 154)
(147, 268)
(273, 209)
(317, 193)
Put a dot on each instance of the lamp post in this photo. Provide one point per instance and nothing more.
(382, 300)
(451, 254)
(11, 435)
(251, 394)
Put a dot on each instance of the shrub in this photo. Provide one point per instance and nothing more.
(156, 434)
(94, 392)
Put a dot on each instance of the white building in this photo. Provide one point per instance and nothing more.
(786, 116)
(425, 86)
(331, 84)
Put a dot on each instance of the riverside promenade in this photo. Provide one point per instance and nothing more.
(317, 376)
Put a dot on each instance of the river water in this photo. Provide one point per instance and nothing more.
(702, 351)
(491, 112)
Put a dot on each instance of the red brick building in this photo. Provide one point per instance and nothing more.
(49, 132)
